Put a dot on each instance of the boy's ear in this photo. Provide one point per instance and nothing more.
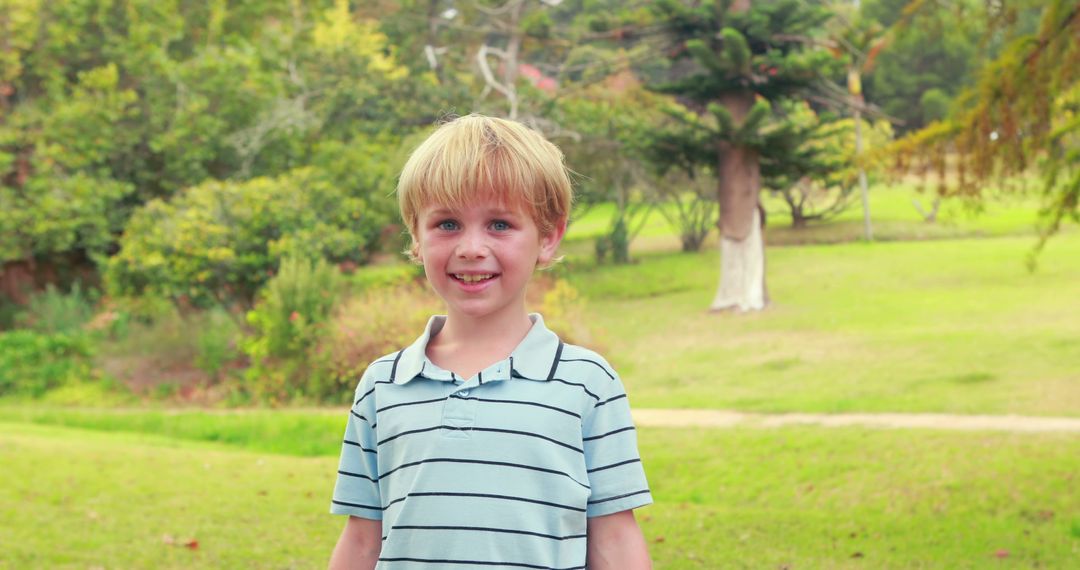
(549, 243)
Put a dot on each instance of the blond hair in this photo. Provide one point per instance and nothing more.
(478, 157)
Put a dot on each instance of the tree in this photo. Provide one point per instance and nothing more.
(931, 56)
(1023, 114)
(743, 61)
(107, 106)
(611, 122)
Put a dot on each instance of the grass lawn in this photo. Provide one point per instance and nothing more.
(793, 497)
(930, 326)
(893, 217)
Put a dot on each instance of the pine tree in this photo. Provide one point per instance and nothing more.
(740, 63)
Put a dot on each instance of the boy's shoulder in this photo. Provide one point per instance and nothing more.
(382, 368)
(584, 363)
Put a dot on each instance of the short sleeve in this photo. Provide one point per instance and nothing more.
(612, 461)
(356, 491)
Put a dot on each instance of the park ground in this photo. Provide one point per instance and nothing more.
(936, 320)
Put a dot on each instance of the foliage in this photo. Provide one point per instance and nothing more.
(930, 57)
(52, 311)
(288, 323)
(611, 123)
(32, 363)
(817, 180)
(108, 106)
(737, 53)
(219, 242)
(564, 310)
(217, 343)
(376, 322)
(693, 201)
(1022, 113)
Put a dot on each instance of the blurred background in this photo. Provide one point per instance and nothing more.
(831, 248)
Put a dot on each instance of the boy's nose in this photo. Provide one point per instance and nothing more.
(471, 246)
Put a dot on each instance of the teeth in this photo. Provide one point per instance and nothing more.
(473, 278)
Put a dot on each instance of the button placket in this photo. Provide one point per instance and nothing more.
(459, 412)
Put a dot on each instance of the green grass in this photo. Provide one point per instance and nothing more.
(793, 497)
(942, 326)
(293, 432)
(892, 214)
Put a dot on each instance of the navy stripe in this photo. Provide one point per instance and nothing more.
(537, 404)
(475, 562)
(366, 394)
(492, 430)
(393, 370)
(555, 362)
(627, 462)
(361, 417)
(613, 432)
(485, 529)
(481, 462)
(619, 497)
(609, 400)
(360, 475)
(418, 402)
(485, 496)
(598, 365)
(582, 386)
(362, 448)
(344, 504)
(408, 432)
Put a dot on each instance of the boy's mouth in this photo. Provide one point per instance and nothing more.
(474, 277)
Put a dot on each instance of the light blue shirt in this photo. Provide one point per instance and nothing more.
(498, 470)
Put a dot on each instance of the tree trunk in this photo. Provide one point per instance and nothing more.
(742, 247)
(742, 271)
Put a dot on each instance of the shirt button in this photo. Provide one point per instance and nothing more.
(464, 392)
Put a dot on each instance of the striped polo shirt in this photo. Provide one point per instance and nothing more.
(498, 470)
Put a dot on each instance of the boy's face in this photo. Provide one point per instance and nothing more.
(479, 258)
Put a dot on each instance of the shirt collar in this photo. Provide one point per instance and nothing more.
(536, 357)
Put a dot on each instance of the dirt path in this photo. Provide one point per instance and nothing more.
(720, 418)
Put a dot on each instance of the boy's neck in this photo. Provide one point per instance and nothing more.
(466, 346)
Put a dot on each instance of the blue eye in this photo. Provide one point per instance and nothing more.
(500, 226)
(447, 225)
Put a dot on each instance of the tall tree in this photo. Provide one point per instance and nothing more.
(931, 56)
(739, 62)
(1022, 115)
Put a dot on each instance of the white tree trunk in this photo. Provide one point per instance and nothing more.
(742, 271)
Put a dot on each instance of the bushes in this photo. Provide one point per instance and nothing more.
(288, 322)
(309, 345)
(220, 242)
(304, 341)
(368, 326)
(33, 363)
(54, 312)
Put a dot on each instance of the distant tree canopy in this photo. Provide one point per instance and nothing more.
(1022, 115)
(929, 58)
(106, 106)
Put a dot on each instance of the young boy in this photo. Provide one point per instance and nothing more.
(488, 442)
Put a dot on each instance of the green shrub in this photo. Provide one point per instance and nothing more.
(32, 363)
(220, 242)
(367, 326)
(216, 342)
(287, 322)
(52, 311)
